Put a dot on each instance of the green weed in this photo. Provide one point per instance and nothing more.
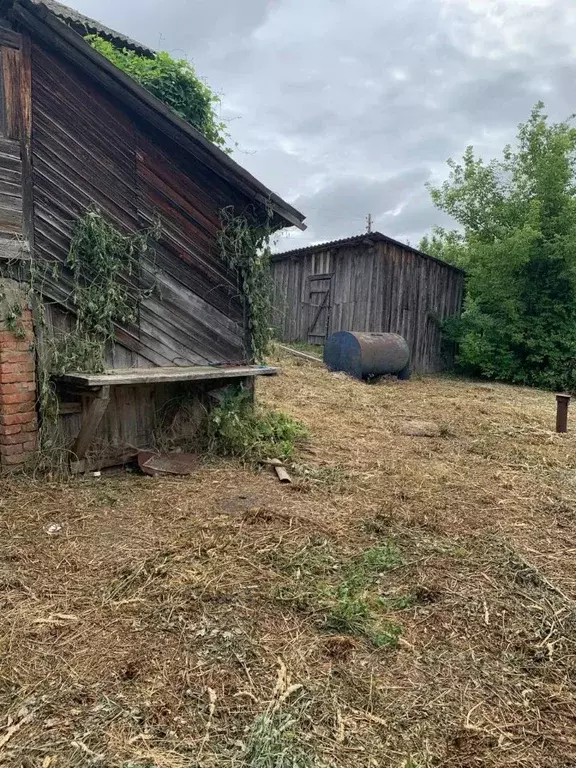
(348, 607)
(274, 742)
(365, 569)
(237, 427)
(349, 613)
(379, 559)
(398, 603)
(276, 738)
(386, 635)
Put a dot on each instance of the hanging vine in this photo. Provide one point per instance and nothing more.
(245, 248)
(105, 266)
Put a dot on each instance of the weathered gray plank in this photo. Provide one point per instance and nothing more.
(9, 38)
(91, 422)
(164, 375)
(13, 248)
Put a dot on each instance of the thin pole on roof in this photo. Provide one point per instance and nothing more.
(369, 223)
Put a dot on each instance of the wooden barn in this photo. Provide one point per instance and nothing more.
(78, 135)
(367, 283)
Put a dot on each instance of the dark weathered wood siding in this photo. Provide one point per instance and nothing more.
(75, 132)
(87, 150)
(375, 286)
(14, 142)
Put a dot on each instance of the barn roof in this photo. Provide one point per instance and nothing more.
(84, 25)
(367, 237)
(58, 26)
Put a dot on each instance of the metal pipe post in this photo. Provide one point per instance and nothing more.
(563, 401)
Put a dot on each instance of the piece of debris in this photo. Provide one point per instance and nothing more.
(57, 618)
(154, 464)
(25, 717)
(301, 355)
(272, 462)
(279, 468)
(53, 529)
(420, 429)
(283, 476)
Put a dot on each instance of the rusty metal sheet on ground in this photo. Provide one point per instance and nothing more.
(168, 464)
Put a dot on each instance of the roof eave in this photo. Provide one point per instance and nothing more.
(45, 23)
(371, 237)
(85, 25)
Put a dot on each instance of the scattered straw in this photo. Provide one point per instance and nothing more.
(146, 631)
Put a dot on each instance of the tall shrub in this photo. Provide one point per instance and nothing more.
(517, 243)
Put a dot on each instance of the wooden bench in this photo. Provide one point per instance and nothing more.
(98, 385)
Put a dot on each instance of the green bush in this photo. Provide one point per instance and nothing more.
(237, 427)
(173, 81)
(517, 244)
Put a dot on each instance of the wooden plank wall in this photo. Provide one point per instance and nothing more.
(376, 286)
(197, 312)
(87, 149)
(14, 100)
(419, 294)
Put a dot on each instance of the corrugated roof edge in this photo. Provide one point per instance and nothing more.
(354, 240)
(85, 25)
(35, 15)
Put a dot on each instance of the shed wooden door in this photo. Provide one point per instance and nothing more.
(319, 308)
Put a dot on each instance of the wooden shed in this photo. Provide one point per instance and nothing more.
(76, 132)
(367, 283)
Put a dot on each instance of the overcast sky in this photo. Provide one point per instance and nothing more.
(348, 107)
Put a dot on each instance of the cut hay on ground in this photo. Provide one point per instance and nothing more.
(409, 601)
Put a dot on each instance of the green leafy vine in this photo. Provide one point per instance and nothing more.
(105, 266)
(245, 247)
(106, 291)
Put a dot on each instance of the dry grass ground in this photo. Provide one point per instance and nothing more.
(409, 601)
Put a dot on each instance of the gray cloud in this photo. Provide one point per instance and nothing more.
(346, 107)
(356, 196)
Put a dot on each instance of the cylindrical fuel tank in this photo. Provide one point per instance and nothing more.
(365, 355)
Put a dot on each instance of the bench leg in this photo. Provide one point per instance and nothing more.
(90, 424)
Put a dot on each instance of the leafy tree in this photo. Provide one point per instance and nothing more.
(173, 81)
(517, 244)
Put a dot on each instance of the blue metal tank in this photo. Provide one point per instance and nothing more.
(367, 355)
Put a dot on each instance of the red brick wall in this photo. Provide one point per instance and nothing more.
(18, 419)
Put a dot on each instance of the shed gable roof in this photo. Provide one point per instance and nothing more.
(46, 20)
(368, 237)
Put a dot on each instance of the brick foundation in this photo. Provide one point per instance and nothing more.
(18, 418)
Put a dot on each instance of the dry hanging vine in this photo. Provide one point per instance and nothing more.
(245, 248)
